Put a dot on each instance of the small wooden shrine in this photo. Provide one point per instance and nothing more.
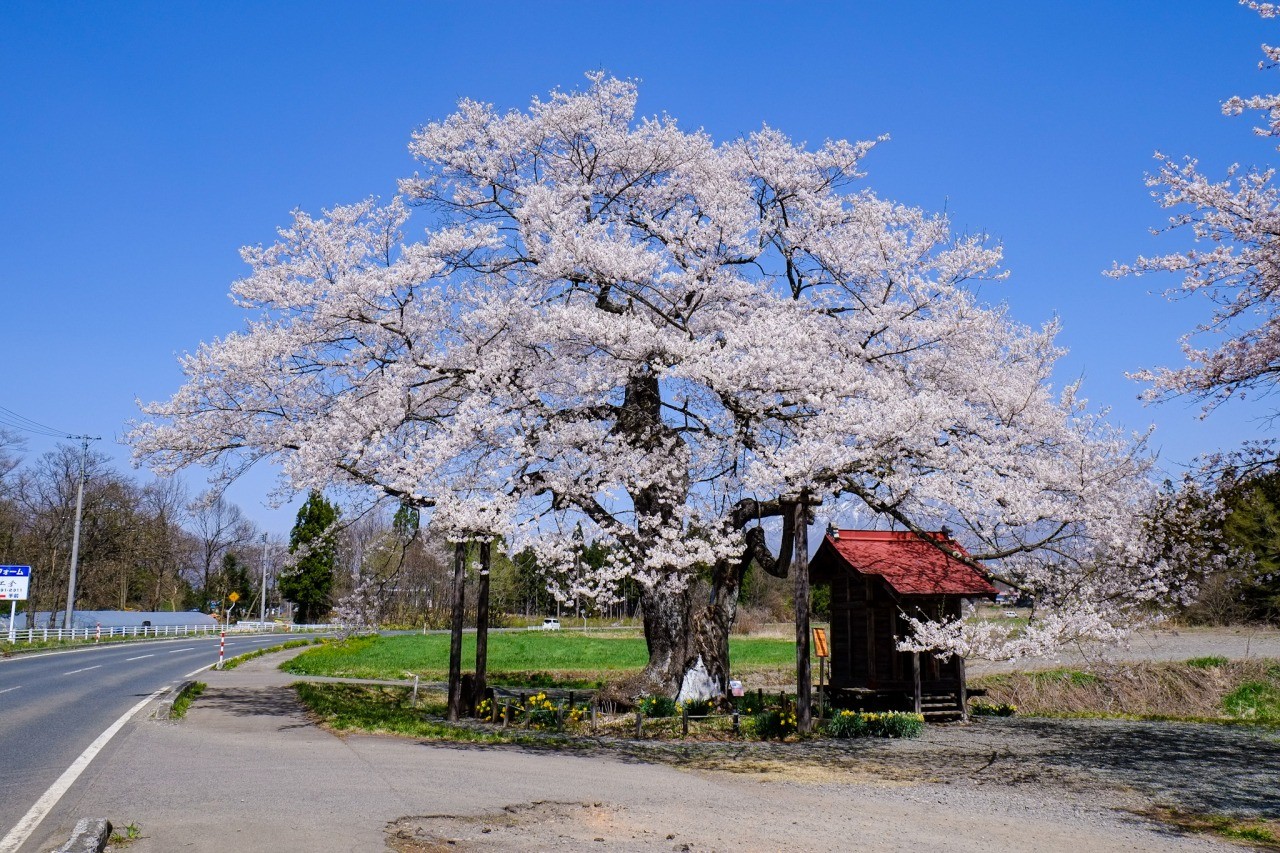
(877, 577)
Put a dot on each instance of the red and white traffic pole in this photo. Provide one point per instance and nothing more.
(222, 646)
(97, 634)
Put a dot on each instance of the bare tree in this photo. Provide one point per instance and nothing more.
(218, 527)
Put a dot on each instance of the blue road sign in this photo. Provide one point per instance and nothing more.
(14, 582)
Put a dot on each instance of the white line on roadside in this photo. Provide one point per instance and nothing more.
(7, 689)
(83, 649)
(86, 669)
(175, 651)
(23, 829)
(139, 657)
(188, 675)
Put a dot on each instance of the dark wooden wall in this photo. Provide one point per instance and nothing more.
(865, 625)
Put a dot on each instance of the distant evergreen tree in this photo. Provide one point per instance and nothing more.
(308, 584)
(1253, 525)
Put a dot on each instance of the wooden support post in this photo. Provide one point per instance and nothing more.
(800, 566)
(482, 626)
(964, 691)
(593, 715)
(915, 676)
(455, 633)
(822, 687)
(639, 723)
(736, 727)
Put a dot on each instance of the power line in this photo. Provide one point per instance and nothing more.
(13, 420)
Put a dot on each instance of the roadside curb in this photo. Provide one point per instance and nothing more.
(164, 708)
(89, 836)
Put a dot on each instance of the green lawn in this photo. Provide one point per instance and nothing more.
(518, 657)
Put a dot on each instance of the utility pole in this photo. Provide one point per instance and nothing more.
(262, 610)
(67, 622)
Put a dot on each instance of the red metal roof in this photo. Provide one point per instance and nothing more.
(907, 563)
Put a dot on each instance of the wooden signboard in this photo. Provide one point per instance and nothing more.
(820, 643)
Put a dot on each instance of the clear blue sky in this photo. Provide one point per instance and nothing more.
(144, 143)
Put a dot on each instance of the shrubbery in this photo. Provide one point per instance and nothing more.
(774, 724)
(657, 706)
(992, 709)
(864, 724)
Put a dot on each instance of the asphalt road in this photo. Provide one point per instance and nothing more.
(55, 704)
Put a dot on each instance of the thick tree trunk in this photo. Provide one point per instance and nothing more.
(683, 631)
(705, 633)
(713, 622)
(666, 633)
(482, 625)
(455, 635)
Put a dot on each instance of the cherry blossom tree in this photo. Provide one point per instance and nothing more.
(615, 326)
(1233, 262)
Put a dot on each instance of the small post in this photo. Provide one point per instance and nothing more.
(414, 703)
(593, 715)
(639, 723)
(13, 614)
(506, 714)
(736, 728)
(97, 634)
(915, 677)
(822, 684)
(222, 647)
(684, 721)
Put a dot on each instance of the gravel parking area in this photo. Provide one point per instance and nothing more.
(1197, 767)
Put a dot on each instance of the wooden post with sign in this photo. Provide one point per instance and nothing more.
(800, 568)
(823, 651)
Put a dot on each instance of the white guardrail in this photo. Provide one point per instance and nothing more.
(42, 635)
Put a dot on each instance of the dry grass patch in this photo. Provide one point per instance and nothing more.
(1259, 834)
(1203, 689)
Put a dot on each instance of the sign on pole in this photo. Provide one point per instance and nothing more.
(820, 643)
(14, 582)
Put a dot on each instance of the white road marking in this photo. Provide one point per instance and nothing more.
(187, 649)
(198, 671)
(86, 669)
(7, 689)
(23, 829)
(83, 649)
(139, 657)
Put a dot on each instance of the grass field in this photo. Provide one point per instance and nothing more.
(534, 658)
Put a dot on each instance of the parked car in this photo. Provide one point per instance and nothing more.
(551, 624)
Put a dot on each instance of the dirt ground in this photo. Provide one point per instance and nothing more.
(1017, 783)
(990, 785)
